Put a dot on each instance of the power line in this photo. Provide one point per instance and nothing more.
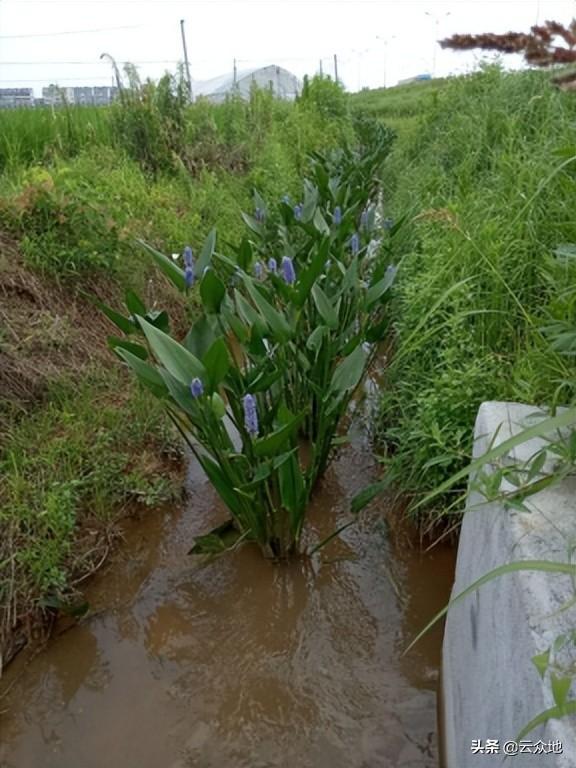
(87, 63)
(69, 32)
(47, 79)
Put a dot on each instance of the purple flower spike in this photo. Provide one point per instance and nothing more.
(250, 415)
(259, 215)
(298, 212)
(388, 223)
(189, 276)
(188, 257)
(337, 216)
(288, 272)
(258, 270)
(196, 388)
(272, 265)
(355, 243)
(364, 220)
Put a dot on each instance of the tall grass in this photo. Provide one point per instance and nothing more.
(487, 184)
(30, 136)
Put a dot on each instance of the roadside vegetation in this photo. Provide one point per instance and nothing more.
(481, 178)
(80, 443)
(476, 195)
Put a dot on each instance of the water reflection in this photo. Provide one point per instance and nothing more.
(242, 663)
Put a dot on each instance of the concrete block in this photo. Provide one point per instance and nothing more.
(490, 687)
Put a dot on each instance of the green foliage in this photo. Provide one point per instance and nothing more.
(81, 212)
(30, 136)
(61, 228)
(149, 120)
(277, 356)
(67, 465)
(485, 184)
(325, 96)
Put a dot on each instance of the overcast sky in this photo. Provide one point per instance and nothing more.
(44, 41)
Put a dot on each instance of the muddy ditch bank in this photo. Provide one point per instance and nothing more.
(242, 662)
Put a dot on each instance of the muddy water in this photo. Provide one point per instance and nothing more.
(242, 664)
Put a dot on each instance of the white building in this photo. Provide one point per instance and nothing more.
(282, 83)
(16, 97)
(54, 96)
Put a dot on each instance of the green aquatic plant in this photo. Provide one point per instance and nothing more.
(262, 381)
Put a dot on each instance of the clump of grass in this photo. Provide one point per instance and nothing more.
(32, 136)
(65, 470)
(486, 185)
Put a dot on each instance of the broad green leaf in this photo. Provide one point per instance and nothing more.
(259, 201)
(348, 372)
(249, 315)
(263, 472)
(217, 362)
(333, 186)
(560, 688)
(375, 292)
(218, 406)
(314, 270)
(200, 337)
(147, 374)
(254, 225)
(136, 349)
(320, 222)
(174, 357)
(158, 320)
(271, 444)
(314, 341)
(275, 320)
(324, 307)
(181, 395)
(310, 203)
(171, 270)
(537, 464)
(292, 489)
(124, 323)
(222, 484)
(263, 380)
(212, 292)
(245, 254)
(350, 279)
(241, 331)
(207, 252)
(135, 304)
(279, 460)
(541, 661)
(217, 541)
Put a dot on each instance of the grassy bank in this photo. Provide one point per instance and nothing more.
(79, 442)
(485, 184)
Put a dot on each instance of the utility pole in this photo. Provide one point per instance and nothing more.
(186, 62)
(321, 69)
(235, 81)
(335, 67)
(436, 18)
(385, 41)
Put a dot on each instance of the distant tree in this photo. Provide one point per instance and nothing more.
(545, 45)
